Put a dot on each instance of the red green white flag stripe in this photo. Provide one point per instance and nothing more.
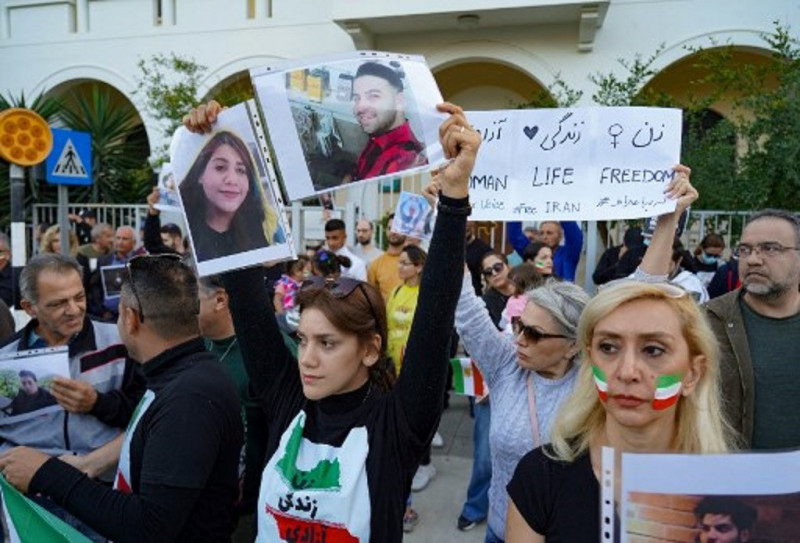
(600, 382)
(467, 378)
(28, 522)
(668, 390)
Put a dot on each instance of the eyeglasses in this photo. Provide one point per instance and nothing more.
(532, 334)
(497, 267)
(768, 249)
(145, 263)
(340, 288)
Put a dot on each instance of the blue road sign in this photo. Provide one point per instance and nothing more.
(70, 161)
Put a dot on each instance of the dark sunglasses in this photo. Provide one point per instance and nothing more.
(144, 263)
(497, 267)
(340, 288)
(531, 334)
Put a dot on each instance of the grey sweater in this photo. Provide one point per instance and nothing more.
(510, 435)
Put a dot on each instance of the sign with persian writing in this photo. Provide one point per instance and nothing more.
(593, 163)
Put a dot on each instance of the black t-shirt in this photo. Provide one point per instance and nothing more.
(558, 500)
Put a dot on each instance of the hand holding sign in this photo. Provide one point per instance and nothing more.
(460, 143)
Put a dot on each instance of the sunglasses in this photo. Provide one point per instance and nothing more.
(144, 263)
(532, 334)
(340, 288)
(497, 267)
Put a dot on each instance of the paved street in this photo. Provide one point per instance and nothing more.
(440, 503)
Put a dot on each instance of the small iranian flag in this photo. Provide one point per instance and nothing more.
(600, 382)
(29, 522)
(467, 378)
(668, 390)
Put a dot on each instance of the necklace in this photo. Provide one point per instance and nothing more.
(227, 351)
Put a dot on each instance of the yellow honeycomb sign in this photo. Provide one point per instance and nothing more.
(25, 137)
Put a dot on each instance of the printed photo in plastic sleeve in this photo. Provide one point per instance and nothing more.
(25, 378)
(726, 497)
(349, 118)
(233, 210)
(168, 199)
(413, 217)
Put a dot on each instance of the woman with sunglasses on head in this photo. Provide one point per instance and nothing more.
(532, 376)
(344, 444)
(648, 383)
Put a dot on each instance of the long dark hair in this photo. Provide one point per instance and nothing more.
(254, 222)
(361, 313)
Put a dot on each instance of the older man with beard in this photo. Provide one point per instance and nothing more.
(758, 328)
(382, 272)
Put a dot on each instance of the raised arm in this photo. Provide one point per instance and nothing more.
(516, 237)
(422, 381)
(573, 244)
(659, 253)
(484, 343)
(152, 227)
(266, 357)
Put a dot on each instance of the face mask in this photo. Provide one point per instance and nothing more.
(709, 259)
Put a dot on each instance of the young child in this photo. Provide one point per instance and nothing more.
(525, 277)
(289, 283)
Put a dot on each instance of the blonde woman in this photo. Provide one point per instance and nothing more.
(647, 384)
(51, 241)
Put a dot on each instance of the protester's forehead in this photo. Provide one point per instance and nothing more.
(769, 229)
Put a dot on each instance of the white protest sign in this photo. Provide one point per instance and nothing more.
(574, 164)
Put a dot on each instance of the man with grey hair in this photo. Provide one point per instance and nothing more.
(104, 387)
(100, 305)
(102, 241)
(758, 329)
(177, 478)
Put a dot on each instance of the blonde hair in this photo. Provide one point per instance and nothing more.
(51, 235)
(700, 425)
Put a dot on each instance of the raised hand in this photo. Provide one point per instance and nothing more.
(460, 143)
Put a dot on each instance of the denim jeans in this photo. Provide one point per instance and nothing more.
(491, 537)
(476, 508)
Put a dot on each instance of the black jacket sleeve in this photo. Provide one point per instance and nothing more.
(116, 407)
(420, 387)
(266, 357)
(157, 514)
(152, 236)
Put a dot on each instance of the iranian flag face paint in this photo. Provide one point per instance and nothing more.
(600, 382)
(668, 390)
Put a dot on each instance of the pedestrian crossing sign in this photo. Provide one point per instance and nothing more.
(70, 161)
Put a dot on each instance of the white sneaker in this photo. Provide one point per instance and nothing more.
(424, 475)
(437, 442)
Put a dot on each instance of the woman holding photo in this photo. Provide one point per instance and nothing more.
(224, 201)
(345, 443)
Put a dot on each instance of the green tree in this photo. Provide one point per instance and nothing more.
(120, 171)
(169, 85)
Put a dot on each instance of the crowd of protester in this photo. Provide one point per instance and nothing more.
(302, 399)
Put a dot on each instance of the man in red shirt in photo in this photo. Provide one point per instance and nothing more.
(379, 108)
